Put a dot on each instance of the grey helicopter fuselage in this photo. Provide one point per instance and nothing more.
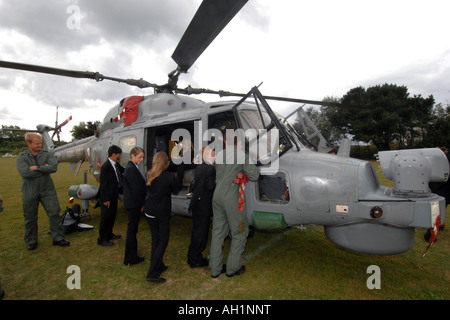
(308, 188)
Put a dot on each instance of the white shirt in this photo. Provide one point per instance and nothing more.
(113, 163)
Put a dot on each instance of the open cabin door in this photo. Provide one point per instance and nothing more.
(267, 140)
(170, 138)
(266, 137)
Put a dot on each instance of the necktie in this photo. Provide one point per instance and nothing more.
(119, 175)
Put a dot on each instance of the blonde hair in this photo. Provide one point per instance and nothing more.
(29, 136)
(136, 150)
(159, 164)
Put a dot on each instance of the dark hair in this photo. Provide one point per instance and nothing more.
(114, 149)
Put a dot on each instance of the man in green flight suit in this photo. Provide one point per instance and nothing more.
(227, 218)
(35, 166)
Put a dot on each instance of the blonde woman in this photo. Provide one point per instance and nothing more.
(158, 206)
(134, 189)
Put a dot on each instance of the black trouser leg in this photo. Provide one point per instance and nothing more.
(132, 229)
(160, 229)
(107, 218)
(199, 237)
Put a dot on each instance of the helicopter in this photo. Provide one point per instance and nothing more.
(297, 185)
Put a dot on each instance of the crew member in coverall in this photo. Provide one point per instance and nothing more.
(227, 218)
(35, 166)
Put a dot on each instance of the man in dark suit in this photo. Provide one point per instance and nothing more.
(201, 206)
(111, 184)
(134, 192)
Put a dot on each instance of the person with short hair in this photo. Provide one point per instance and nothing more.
(35, 166)
(111, 185)
(229, 218)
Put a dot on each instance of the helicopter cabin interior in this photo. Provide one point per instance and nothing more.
(270, 188)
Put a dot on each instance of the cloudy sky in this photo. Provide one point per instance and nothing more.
(298, 48)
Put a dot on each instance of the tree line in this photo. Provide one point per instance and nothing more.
(384, 117)
(13, 142)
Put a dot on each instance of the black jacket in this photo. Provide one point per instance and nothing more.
(109, 186)
(203, 188)
(158, 202)
(134, 188)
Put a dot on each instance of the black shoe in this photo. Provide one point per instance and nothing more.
(32, 246)
(237, 273)
(224, 269)
(163, 269)
(159, 279)
(204, 263)
(61, 243)
(115, 237)
(105, 243)
(136, 261)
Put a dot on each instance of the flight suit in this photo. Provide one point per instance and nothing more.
(37, 186)
(227, 218)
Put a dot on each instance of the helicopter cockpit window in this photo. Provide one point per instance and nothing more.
(222, 121)
(254, 120)
(126, 144)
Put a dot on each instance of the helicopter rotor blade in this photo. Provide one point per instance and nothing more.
(189, 90)
(209, 20)
(73, 73)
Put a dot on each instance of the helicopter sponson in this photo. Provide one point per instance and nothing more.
(345, 196)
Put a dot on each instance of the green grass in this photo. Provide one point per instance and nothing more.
(290, 265)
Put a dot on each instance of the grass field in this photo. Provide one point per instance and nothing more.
(290, 265)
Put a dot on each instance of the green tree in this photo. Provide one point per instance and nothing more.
(84, 129)
(438, 131)
(12, 141)
(383, 114)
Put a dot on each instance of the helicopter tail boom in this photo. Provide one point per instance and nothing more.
(75, 151)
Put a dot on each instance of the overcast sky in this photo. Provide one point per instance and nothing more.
(298, 48)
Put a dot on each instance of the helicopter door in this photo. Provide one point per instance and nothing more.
(163, 138)
(267, 138)
(267, 141)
